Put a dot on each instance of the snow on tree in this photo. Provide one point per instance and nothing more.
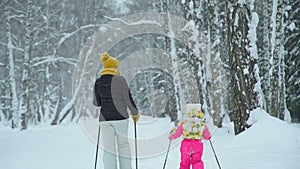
(271, 51)
(171, 47)
(243, 64)
(12, 78)
(196, 52)
(263, 35)
(292, 66)
(274, 69)
(217, 30)
(25, 106)
(275, 97)
(42, 40)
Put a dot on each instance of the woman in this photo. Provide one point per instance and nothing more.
(112, 94)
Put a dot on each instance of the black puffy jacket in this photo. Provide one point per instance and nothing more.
(112, 94)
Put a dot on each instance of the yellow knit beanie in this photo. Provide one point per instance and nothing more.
(110, 64)
(108, 61)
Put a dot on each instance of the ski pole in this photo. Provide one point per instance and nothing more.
(167, 155)
(214, 153)
(135, 138)
(97, 147)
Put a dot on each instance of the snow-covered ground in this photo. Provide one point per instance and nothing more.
(269, 143)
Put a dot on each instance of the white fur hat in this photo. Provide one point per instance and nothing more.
(189, 107)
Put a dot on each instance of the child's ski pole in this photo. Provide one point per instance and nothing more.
(167, 154)
(214, 153)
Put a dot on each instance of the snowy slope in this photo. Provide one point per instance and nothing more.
(43, 148)
(269, 143)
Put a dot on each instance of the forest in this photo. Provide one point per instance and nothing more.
(234, 56)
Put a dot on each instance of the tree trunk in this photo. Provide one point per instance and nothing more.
(196, 62)
(26, 76)
(11, 63)
(242, 65)
(218, 87)
(171, 48)
(264, 52)
(276, 92)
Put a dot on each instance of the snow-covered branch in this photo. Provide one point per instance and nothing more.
(13, 47)
(50, 59)
(70, 34)
(140, 22)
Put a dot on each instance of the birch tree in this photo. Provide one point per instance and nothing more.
(25, 109)
(11, 63)
(271, 55)
(264, 9)
(276, 97)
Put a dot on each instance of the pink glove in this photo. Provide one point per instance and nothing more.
(206, 134)
(177, 133)
(171, 137)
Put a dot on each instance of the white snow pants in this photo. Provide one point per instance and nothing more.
(114, 135)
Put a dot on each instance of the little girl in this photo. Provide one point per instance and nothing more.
(193, 129)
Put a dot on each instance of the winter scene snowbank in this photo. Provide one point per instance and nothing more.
(230, 56)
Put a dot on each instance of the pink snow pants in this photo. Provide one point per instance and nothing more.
(191, 153)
